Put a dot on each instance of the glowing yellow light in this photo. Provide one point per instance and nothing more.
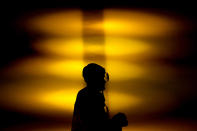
(123, 31)
(122, 101)
(58, 99)
(120, 70)
(94, 48)
(94, 25)
(133, 23)
(71, 69)
(63, 99)
(72, 48)
(54, 98)
(124, 46)
(58, 23)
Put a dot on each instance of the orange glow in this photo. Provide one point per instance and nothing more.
(71, 69)
(63, 23)
(69, 51)
(38, 99)
(135, 23)
(125, 47)
(122, 101)
(48, 82)
(63, 99)
(121, 70)
(73, 48)
(59, 98)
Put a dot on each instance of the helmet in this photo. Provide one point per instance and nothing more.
(94, 73)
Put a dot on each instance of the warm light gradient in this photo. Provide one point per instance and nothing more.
(136, 23)
(141, 81)
(58, 23)
(62, 47)
(73, 48)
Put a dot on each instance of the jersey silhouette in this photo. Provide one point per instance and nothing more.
(90, 112)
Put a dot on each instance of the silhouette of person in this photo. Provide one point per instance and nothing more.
(90, 112)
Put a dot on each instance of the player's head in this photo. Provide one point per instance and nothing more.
(95, 76)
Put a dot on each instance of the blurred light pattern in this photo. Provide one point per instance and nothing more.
(61, 47)
(49, 82)
(47, 98)
(124, 47)
(135, 23)
(73, 48)
(121, 70)
(66, 23)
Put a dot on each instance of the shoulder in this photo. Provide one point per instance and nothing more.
(82, 93)
(82, 98)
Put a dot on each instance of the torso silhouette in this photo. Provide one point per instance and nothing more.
(89, 112)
